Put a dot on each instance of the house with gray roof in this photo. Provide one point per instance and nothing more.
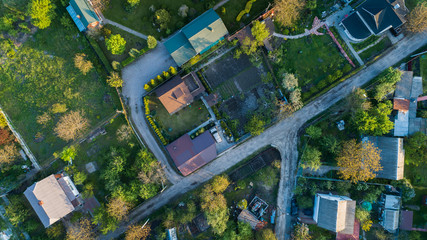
(334, 213)
(196, 37)
(83, 14)
(374, 17)
(53, 198)
(392, 156)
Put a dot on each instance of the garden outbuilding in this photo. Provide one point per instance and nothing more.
(83, 14)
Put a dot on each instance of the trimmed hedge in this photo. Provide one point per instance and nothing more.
(129, 60)
(246, 10)
(100, 54)
(152, 123)
(204, 83)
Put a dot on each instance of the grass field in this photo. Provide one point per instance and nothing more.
(311, 58)
(419, 220)
(141, 18)
(375, 50)
(364, 44)
(41, 73)
(131, 42)
(181, 122)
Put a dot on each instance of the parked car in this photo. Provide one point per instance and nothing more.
(216, 135)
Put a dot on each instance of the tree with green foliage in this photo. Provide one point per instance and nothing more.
(290, 81)
(148, 191)
(3, 122)
(172, 70)
(169, 221)
(219, 183)
(259, 32)
(375, 121)
(248, 47)
(314, 132)
(301, 232)
(16, 211)
(68, 153)
(58, 108)
(79, 177)
(42, 12)
(265, 234)
(255, 126)
(215, 209)
(386, 83)
(115, 44)
(416, 149)
(151, 42)
(188, 214)
(133, 3)
(405, 188)
(82, 63)
(330, 144)
(162, 18)
(311, 158)
(114, 80)
(311, 4)
(56, 231)
(106, 222)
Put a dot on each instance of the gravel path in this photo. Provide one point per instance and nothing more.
(283, 135)
(133, 32)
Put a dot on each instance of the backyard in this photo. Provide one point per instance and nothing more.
(423, 66)
(375, 50)
(141, 18)
(178, 124)
(131, 42)
(41, 73)
(420, 217)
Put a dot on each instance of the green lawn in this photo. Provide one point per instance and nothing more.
(364, 44)
(375, 50)
(176, 125)
(131, 42)
(227, 89)
(234, 7)
(311, 59)
(141, 18)
(41, 73)
(419, 220)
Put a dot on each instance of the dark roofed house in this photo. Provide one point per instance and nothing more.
(392, 156)
(83, 14)
(334, 213)
(53, 198)
(191, 154)
(196, 37)
(375, 17)
(248, 217)
(179, 92)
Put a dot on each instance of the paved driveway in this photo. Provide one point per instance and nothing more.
(135, 76)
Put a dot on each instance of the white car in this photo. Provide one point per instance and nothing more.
(216, 135)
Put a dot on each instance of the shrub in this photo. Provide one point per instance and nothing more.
(151, 42)
(246, 10)
(338, 74)
(116, 66)
(172, 71)
(347, 68)
(147, 87)
(156, 130)
(153, 82)
(162, 18)
(116, 44)
(133, 52)
(159, 78)
(166, 75)
(195, 60)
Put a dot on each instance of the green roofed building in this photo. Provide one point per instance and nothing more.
(83, 14)
(196, 37)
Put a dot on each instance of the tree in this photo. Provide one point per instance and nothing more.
(79, 178)
(5, 136)
(265, 234)
(359, 161)
(357, 101)
(83, 230)
(220, 183)
(295, 98)
(116, 44)
(382, 90)
(169, 221)
(114, 80)
(215, 209)
(288, 11)
(255, 126)
(301, 232)
(118, 208)
(56, 231)
(311, 4)
(3, 121)
(151, 42)
(82, 63)
(133, 3)
(417, 19)
(154, 175)
(290, 82)
(259, 32)
(172, 70)
(124, 133)
(311, 158)
(8, 154)
(43, 119)
(416, 149)
(162, 18)
(59, 108)
(248, 47)
(71, 125)
(405, 188)
(138, 232)
(314, 132)
(42, 12)
(16, 210)
(245, 231)
(148, 191)
(375, 121)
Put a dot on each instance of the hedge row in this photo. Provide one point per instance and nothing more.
(204, 83)
(157, 130)
(100, 54)
(130, 59)
(160, 79)
(226, 129)
(246, 10)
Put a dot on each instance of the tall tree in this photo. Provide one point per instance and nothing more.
(162, 18)
(16, 210)
(71, 125)
(215, 208)
(82, 230)
(116, 44)
(81, 62)
(290, 81)
(375, 121)
(42, 12)
(259, 32)
(311, 158)
(118, 208)
(265, 234)
(314, 132)
(137, 232)
(8, 154)
(288, 11)
(417, 19)
(255, 126)
(114, 80)
(359, 161)
(301, 232)
(416, 149)
(220, 183)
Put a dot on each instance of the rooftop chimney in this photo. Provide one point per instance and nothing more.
(40, 203)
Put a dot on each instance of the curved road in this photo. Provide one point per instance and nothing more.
(283, 135)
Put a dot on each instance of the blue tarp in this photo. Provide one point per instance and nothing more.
(76, 20)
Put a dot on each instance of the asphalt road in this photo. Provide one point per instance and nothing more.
(283, 135)
(135, 76)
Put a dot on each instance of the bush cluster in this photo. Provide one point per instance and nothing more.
(160, 79)
(157, 130)
(246, 10)
(130, 59)
(205, 84)
(226, 129)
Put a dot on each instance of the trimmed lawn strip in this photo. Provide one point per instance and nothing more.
(419, 220)
(364, 44)
(131, 42)
(423, 66)
(141, 19)
(375, 50)
(178, 124)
